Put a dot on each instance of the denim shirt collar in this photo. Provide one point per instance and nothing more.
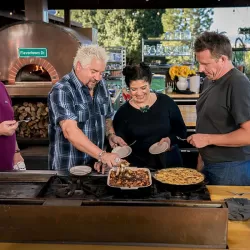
(78, 83)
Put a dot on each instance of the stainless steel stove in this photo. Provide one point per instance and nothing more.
(95, 188)
(57, 208)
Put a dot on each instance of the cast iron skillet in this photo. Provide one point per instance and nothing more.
(179, 188)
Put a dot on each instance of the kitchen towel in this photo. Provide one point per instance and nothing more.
(239, 209)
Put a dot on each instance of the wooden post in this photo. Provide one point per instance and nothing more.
(36, 10)
(67, 18)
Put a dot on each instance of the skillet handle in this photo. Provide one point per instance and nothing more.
(206, 182)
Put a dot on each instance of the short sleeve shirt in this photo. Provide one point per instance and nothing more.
(223, 105)
(69, 99)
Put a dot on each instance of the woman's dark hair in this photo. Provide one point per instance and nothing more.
(218, 44)
(137, 72)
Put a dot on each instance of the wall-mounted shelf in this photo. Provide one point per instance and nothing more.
(167, 40)
(159, 50)
(183, 97)
(113, 72)
(240, 52)
(117, 55)
(241, 49)
(114, 62)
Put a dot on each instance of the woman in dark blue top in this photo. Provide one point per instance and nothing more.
(148, 118)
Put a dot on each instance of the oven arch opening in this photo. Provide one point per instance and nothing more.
(33, 73)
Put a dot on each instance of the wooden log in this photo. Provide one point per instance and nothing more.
(38, 113)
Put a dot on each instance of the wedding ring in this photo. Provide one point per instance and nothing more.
(117, 160)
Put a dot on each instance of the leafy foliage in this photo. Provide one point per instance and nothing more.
(121, 27)
(194, 20)
(126, 27)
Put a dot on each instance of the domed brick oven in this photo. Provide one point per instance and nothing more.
(34, 56)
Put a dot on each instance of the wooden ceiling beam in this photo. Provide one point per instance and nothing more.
(125, 4)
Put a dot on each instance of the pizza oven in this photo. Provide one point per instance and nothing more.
(38, 55)
(33, 73)
(38, 52)
(35, 55)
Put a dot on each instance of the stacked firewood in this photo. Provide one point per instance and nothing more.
(37, 112)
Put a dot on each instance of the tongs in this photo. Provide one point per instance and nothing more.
(120, 169)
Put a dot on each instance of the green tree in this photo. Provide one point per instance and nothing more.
(194, 20)
(148, 22)
(121, 27)
(241, 54)
(60, 13)
(120, 30)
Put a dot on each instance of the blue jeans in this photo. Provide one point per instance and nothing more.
(235, 173)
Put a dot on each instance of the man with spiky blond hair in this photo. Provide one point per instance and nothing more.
(80, 114)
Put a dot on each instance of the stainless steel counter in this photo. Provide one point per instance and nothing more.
(30, 217)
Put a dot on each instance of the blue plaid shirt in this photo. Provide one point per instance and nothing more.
(69, 99)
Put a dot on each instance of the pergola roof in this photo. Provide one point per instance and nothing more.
(127, 4)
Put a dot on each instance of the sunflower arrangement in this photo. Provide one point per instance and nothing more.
(182, 70)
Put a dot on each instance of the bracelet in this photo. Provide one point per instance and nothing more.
(100, 156)
(17, 151)
(110, 134)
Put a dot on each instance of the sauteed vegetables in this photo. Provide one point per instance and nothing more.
(130, 178)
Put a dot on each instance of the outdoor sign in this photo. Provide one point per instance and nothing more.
(32, 52)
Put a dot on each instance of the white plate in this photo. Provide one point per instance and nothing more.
(80, 170)
(157, 149)
(122, 151)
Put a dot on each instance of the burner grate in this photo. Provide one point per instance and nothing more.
(95, 188)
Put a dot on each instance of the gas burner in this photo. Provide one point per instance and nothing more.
(63, 188)
(95, 188)
(170, 195)
(195, 196)
(65, 192)
(179, 196)
(161, 192)
(76, 187)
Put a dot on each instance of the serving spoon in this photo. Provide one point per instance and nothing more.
(25, 120)
(132, 143)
